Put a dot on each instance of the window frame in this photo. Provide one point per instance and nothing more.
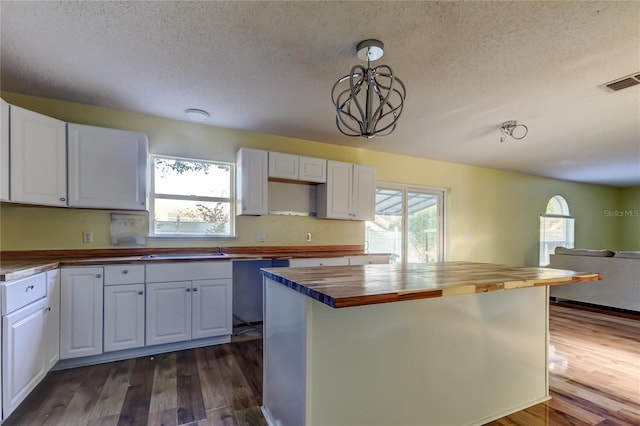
(231, 200)
(406, 189)
(568, 224)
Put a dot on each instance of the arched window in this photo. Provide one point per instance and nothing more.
(556, 228)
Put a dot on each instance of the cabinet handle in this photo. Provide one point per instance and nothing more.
(98, 275)
(125, 271)
(188, 289)
(141, 292)
(63, 199)
(195, 289)
(29, 288)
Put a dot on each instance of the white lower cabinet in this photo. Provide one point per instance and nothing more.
(24, 343)
(23, 361)
(81, 300)
(321, 261)
(371, 259)
(123, 317)
(52, 320)
(185, 310)
(168, 312)
(188, 301)
(211, 308)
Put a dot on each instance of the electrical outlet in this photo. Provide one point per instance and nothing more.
(261, 237)
(87, 237)
(308, 237)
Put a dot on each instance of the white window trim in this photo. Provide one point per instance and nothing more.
(436, 191)
(191, 237)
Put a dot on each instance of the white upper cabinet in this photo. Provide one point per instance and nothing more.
(313, 169)
(107, 168)
(299, 168)
(363, 204)
(4, 150)
(283, 166)
(38, 158)
(349, 192)
(251, 169)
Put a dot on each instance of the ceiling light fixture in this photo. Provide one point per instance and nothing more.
(369, 100)
(513, 129)
(196, 114)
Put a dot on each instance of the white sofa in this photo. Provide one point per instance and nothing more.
(620, 284)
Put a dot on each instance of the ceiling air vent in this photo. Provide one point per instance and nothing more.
(622, 83)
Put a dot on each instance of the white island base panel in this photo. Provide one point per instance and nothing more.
(460, 360)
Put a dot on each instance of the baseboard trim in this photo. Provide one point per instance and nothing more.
(138, 352)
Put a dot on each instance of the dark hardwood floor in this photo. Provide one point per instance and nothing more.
(594, 378)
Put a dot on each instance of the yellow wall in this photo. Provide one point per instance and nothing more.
(491, 215)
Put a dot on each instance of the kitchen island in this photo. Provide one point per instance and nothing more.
(386, 345)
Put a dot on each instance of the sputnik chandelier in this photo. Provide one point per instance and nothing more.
(368, 100)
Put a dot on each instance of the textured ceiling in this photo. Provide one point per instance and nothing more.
(270, 66)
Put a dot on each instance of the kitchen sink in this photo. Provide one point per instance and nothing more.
(185, 256)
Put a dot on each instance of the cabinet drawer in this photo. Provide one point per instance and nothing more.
(324, 261)
(19, 293)
(123, 274)
(188, 271)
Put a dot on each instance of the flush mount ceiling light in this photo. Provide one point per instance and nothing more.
(368, 100)
(513, 129)
(196, 114)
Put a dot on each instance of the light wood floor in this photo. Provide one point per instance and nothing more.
(594, 377)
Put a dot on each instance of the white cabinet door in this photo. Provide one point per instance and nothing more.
(23, 357)
(38, 158)
(81, 299)
(211, 304)
(168, 312)
(283, 166)
(52, 320)
(334, 197)
(124, 317)
(95, 153)
(4, 150)
(349, 193)
(251, 171)
(363, 200)
(313, 169)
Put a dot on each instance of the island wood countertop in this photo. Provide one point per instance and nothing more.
(346, 286)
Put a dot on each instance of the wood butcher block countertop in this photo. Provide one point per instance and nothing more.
(345, 286)
(20, 264)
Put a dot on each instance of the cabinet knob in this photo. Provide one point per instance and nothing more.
(125, 271)
(29, 288)
(195, 289)
(141, 292)
(63, 199)
(188, 290)
(321, 264)
(98, 275)
(48, 309)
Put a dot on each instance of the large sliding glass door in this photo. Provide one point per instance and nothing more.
(409, 224)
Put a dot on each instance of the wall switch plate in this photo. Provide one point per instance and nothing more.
(261, 237)
(87, 237)
(308, 237)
